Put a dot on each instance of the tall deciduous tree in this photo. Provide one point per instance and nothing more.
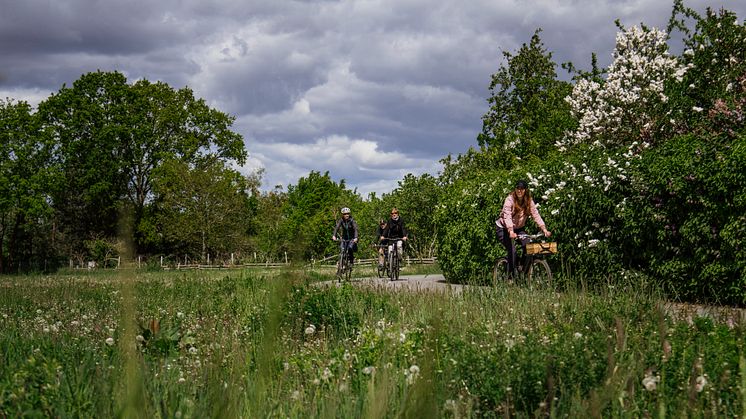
(204, 207)
(25, 172)
(112, 136)
(527, 109)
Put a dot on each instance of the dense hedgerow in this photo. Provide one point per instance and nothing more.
(650, 180)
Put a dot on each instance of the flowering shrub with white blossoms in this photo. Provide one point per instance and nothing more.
(623, 107)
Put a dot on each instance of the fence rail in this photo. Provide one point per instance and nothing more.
(117, 263)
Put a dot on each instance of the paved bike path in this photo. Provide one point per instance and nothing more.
(429, 282)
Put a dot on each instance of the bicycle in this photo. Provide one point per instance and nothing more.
(344, 265)
(383, 270)
(534, 268)
(393, 259)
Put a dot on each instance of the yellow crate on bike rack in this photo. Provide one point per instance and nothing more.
(541, 248)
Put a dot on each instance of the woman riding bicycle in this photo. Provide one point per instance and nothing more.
(348, 232)
(517, 208)
(395, 232)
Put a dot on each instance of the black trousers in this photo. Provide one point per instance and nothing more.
(509, 245)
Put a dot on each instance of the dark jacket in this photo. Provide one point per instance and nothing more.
(395, 229)
(347, 229)
(379, 232)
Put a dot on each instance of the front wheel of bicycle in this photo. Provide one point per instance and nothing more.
(393, 266)
(539, 274)
(500, 272)
(341, 266)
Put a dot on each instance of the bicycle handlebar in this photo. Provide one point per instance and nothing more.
(529, 236)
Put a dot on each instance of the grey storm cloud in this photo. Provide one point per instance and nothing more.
(368, 90)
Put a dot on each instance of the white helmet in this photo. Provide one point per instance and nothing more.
(345, 210)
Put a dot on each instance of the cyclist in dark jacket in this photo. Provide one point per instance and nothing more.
(348, 232)
(395, 232)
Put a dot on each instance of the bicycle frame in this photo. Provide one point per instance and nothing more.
(344, 268)
(393, 258)
(534, 268)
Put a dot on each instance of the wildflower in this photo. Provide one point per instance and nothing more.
(369, 370)
(193, 350)
(140, 338)
(696, 109)
(311, 329)
(650, 382)
(700, 383)
(180, 315)
(295, 395)
(182, 380)
(578, 335)
(110, 341)
(326, 374)
(412, 373)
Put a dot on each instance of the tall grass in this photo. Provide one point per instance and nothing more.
(250, 343)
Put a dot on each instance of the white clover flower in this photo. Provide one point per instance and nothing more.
(180, 315)
(326, 374)
(369, 370)
(578, 335)
(110, 341)
(182, 379)
(696, 109)
(140, 338)
(310, 330)
(295, 395)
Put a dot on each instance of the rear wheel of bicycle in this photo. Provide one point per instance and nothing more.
(539, 274)
(500, 272)
(348, 272)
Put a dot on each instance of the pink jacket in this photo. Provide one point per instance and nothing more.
(510, 221)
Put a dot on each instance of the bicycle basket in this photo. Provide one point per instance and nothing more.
(541, 248)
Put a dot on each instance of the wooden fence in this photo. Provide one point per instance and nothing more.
(331, 261)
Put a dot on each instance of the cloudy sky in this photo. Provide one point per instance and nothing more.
(369, 90)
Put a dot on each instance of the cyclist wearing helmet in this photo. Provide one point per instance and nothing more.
(517, 208)
(348, 232)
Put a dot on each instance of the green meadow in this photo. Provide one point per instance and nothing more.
(282, 343)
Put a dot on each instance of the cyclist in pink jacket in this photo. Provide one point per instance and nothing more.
(517, 208)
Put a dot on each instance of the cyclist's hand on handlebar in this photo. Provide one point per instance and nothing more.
(334, 238)
(547, 233)
(512, 234)
(404, 238)
(354, 240)
(383, 238)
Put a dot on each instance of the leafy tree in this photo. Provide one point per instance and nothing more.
(203, 208)
(112, 138)
(527, 109)
(310, 212)
(416, 197)
(26, 169)
(165, 124)
(86, 123)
